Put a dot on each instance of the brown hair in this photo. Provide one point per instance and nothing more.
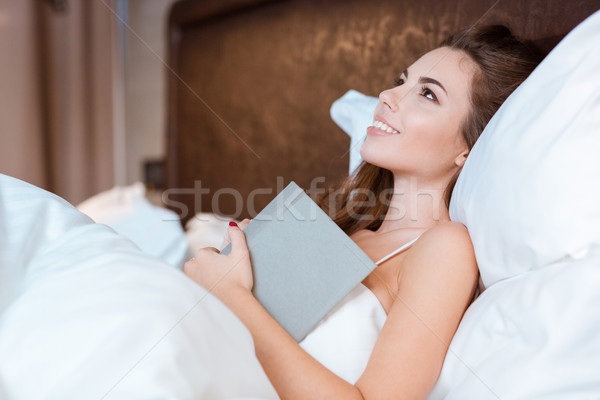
(503, 62)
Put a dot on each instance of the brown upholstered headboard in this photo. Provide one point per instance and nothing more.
(252, 81)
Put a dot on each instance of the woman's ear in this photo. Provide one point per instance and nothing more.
(461, 158)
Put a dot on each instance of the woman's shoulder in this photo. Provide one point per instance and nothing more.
(447, 235)
(446, 244)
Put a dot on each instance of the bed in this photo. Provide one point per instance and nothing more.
(260, 79)
(86, 312)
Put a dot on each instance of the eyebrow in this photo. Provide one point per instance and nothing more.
(426, 79)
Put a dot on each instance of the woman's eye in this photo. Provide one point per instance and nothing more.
(398, 81)
(428, 94)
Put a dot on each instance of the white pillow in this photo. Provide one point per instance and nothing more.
(533, 336)
(353, 112)
(156, 230)
(85, 314)
(529, 192)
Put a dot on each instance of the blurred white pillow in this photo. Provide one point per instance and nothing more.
(529, 192)
(353, 112)
(155, 230)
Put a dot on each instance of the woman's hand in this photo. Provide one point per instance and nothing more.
(222, 274)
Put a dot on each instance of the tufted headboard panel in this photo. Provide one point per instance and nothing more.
(251, 83)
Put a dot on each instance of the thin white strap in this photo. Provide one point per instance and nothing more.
(393, 253)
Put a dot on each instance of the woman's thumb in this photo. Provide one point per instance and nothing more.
(238, 239)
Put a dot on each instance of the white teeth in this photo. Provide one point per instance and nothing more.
(384, 127)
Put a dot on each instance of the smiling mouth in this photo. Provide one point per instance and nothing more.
(384, 127)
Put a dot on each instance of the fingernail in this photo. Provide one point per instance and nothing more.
(231, 223)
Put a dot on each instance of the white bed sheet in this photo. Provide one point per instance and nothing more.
(85, 314)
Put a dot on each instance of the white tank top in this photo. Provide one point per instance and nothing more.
(345, 337)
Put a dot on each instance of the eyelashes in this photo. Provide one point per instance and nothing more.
(425, 91)
(398, 81)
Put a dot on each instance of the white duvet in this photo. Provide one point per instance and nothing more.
(84, 314)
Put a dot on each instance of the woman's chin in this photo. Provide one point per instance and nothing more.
(370, 155)
(373, 161)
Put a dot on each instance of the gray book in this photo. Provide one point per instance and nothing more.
(303, 263)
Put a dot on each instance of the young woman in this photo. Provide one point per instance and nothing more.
(422, 132)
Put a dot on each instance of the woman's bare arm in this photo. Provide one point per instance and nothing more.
(435, 288)
(434, 292)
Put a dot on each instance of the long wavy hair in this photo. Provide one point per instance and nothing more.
(503, 61)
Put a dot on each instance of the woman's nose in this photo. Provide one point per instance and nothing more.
(388, 99)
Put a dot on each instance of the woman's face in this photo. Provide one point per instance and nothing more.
(422, 116)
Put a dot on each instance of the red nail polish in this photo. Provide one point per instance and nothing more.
(231, 223)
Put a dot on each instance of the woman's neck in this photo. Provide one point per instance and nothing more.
(415, 205)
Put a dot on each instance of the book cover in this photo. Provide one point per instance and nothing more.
(303, 263)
